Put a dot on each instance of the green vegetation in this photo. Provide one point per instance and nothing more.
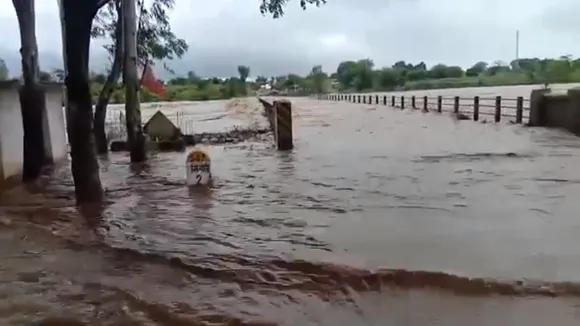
(191, 88)
(361, 75)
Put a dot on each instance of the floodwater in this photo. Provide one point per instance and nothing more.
(199, 117)
(486, 98)
(378, 217)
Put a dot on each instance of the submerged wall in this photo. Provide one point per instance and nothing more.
(55, 139)
(12, 131)
(556, 109)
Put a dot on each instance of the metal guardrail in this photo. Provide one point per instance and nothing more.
(491, 106)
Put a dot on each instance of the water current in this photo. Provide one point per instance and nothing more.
(378, 217)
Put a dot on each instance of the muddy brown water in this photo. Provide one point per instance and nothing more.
(378, 217)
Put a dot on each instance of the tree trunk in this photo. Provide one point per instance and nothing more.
(32, 97)
(78, 16)
(135, 135)
(105, 95)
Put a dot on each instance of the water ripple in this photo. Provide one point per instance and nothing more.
(320, 236)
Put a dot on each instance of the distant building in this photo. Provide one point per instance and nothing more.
(159, 127)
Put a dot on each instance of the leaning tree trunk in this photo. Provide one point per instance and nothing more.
(32, 97)
(109, 86)
(133, 112)
(78, 19)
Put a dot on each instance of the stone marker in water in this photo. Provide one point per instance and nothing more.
(198, 168)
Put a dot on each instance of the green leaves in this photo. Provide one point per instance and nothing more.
(359, 75)
(355, 74)
(155, 39)
(276, 7)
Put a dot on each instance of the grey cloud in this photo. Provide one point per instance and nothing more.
(562, 17)
(225, 33)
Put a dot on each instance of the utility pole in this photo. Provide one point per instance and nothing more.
(517, 44)
(135, 135)
(517, 63)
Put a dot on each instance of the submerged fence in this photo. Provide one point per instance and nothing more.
(116, 128)
(477, 106)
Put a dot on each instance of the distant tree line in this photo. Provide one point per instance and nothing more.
(362, 75)
(359, 76)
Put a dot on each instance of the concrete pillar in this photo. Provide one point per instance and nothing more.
(283, 123)
(54, 129)
(574, 109)
(11, 134)
(538, 107)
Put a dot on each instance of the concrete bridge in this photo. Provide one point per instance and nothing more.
(541, 107)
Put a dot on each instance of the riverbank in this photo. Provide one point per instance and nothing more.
(220, 90)
(512, 79)
(177, 93)
(362, 75)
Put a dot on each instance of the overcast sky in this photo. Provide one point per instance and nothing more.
(225, 33)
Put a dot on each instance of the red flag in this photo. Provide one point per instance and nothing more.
(149, 81)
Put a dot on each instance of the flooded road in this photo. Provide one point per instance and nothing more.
(199, 117)
(378, 217)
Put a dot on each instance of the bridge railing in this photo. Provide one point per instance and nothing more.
(476, 106)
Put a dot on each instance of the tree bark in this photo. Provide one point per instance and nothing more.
(32, 97)
(135, 136)
(78, 17)
(109, 86)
